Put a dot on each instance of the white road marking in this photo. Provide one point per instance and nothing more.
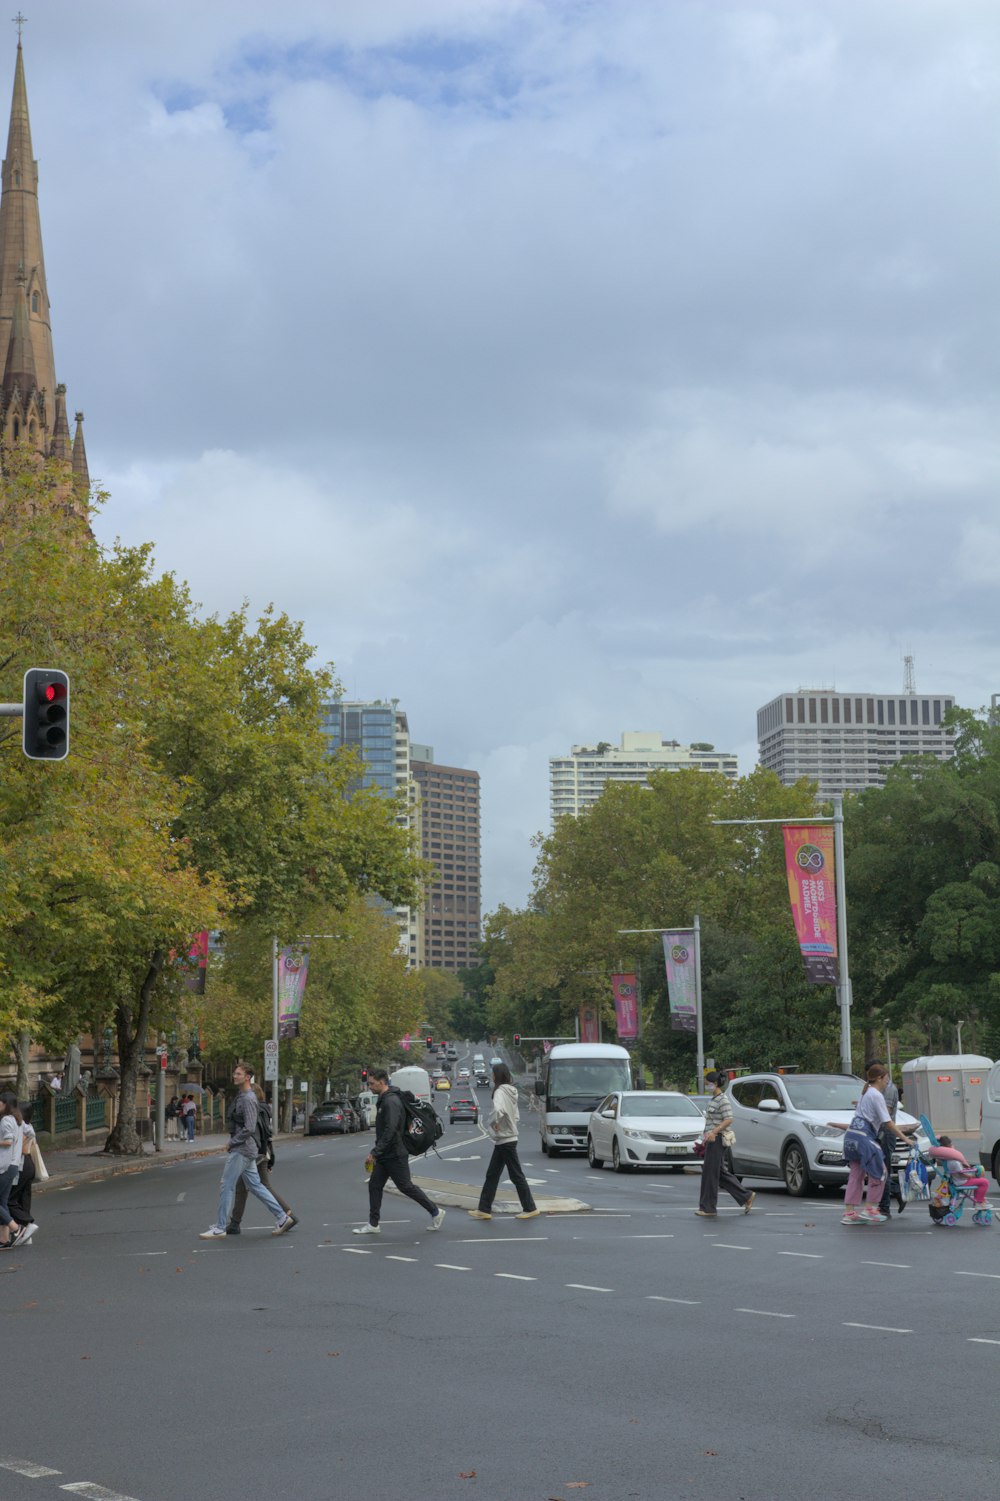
(725, 1245)
(765, 1313)
(95, 1492)
(994, 1275)
(660, 1236)
(447, 1266)
(356, 1251)
(317, 1154)
(514, 1277)
(400, 1258)
(145, 1253)
(805, 1255)
(494, 1240)
(974, 1341)
(902, 1266)
(181, 1197)
(880, 1328)
(659, 1298)
(585, 1287)
(551, 1170)
(25, 1467)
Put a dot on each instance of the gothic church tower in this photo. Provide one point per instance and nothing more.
(32, 405)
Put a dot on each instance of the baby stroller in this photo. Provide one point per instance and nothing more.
(950, 1190)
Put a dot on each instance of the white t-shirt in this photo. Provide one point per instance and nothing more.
(872, 1108)
(11, 1141)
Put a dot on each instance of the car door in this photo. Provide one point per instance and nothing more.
(770, 1127)
(602, 1127)
(744, 1094)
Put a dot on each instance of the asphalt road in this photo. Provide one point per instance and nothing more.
(633, 1351)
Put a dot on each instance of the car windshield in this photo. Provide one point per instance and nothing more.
(581, 1084)
(658, 1104)
(823, 1094)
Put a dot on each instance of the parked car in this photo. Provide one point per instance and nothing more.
(791, 1126)
(331, 1115)
(442, 1083)
(463, 1110)
(701, 1100)
(644, 1128)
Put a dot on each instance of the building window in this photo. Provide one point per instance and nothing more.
(824, 711)
(802, 710)
(34, 302)
(925, 710)
(847, 711)
(881, 711)
(891, 707)
(937, 711)
(836, 711)
(914, 711)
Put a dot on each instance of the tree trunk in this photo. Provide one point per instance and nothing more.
(123, 1139)
(22, 1047)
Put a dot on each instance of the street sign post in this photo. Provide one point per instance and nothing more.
(271, 1061)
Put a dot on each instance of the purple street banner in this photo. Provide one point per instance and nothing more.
(293, 966)
(682, 982)
(590, 1027)
(809, 867)
(625, 992)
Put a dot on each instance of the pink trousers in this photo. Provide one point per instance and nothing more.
(855, 1178)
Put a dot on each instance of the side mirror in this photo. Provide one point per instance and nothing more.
(540, 1086)
(771, 1105)
(608, 1115)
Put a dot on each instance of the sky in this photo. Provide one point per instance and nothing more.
(566, 366)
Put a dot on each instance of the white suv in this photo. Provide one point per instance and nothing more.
(787, 1127)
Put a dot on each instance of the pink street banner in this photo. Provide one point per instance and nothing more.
(682, 982)
(197, 963)
(590, 1027)
(293, 966)
(625, 992)
(809, 867)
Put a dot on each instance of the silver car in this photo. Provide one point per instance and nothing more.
(644, 1128)
(791, 1126)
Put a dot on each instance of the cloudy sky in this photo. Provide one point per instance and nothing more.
(568, 366)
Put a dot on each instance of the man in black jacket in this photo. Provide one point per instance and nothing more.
(388, 1157)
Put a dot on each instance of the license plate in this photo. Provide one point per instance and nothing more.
(675, 1151)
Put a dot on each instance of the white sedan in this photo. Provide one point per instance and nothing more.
(644, 1128)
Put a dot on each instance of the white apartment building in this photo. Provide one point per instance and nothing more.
(576, 781)
(847, 741)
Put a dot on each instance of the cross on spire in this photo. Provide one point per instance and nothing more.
(19, 21)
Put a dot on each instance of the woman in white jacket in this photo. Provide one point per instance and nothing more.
(502, 1126)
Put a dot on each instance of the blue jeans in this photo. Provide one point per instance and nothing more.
(189, 1122)
(237, 1166)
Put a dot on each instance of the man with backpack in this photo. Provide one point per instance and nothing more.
(388, 1158)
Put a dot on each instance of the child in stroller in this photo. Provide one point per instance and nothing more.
(955, 1183)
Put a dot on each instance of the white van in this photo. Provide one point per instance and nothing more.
(416, 1080)
(989, 1124)
(578, 1076)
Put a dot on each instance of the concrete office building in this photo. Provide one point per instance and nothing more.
(576, 781)
(449, 838)
(847, 741)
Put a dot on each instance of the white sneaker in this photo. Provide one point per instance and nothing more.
(438, 1220)
(27, 1233)
(368, 1230)
(212, 1234)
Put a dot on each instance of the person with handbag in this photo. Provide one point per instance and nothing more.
(19, 1202)
(718, 1136)
(503, 1127)
(11, 1149)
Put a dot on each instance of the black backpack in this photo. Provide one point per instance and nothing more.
(421, 1126)
(263, 1131)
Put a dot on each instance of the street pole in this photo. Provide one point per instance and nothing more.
(844, 984)
(161, 1101)
(274, 1027)
(697, 1000)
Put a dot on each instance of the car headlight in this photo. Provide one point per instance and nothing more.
(635, 1135)
(826, 1132)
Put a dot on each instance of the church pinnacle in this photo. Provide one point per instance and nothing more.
(32, 404)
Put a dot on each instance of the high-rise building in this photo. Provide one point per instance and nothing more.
(32, 404)
(449, 839)
(847, 741)
(576, 781)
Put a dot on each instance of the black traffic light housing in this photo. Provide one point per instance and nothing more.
(45, 726)
(430, 1042)
(517, 1039)
(364, 1077)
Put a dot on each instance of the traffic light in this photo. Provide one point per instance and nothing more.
(364, 1078)
(45, 729)
(517, 1039)
(430, 1042)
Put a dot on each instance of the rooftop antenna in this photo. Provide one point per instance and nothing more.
(909, 678)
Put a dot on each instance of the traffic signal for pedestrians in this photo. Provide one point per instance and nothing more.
(517, 1039)
(45, 726)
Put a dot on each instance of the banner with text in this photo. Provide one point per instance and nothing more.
(809, 867)
(682, 982)
(625, 992)
(293, 966)
(590, 1027)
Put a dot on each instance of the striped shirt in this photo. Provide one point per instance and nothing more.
(719, 1112)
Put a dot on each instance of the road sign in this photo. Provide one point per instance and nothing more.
(271, 1060)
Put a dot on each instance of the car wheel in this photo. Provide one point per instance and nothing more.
(677, 1167)
(727, 1163)
(795, 1170)
(616, 1159)
(591, 1158)
(545, 1147)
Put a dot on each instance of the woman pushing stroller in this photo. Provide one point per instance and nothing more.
(862, 1150)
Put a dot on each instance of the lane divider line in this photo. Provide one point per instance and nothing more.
(584, 1287)
(765, 1313)
(27, 1468)
(400, 1258)
(94, 1492)
(901, 1266)
(515, 1277)
(447, 1266)
(879, 1328)
(994, 1276)
(659, 1298)
(356, 1251)
(805, 1255)
(975, 1341)
(725, 1245)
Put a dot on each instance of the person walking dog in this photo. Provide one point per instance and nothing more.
(718, 1136)
(241, 1162)
(502, 1126)
(388, 1158)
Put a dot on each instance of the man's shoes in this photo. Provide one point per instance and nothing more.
(479, 1214)
(213, 1233)
(706, 1214)
(901, 1205)
(233, 1230)
(438, 1220)
(284, 1224)
(368, 1230)
(292, 1221)
(529, 1214)
(27, 1231)
(749, 1204)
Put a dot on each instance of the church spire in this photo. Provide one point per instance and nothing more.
(81, 473)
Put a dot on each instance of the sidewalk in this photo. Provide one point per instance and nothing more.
(90, 1165)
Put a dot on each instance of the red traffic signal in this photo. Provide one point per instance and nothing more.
(517, 1039)
(364, 1077)
(430, 1042)
(45, 726)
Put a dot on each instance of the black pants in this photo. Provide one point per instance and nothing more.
(505, 1156)
(396, 1168)
(714, 1175)
(890, 1190)
(20, 1195)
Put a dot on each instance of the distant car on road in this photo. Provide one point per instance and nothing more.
(442, 1083)
(644, 1128)
(463, 1110)
(463, 1073)
(331, 1116)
